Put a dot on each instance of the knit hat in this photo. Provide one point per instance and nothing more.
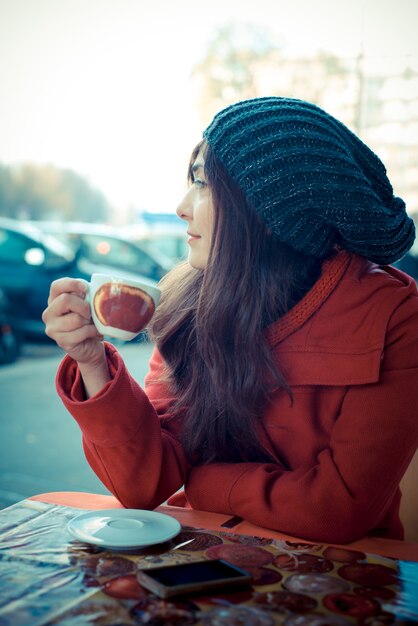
(313, 182)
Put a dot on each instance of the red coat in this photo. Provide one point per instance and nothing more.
(349, 350)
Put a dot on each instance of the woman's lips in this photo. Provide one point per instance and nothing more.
(192, 237)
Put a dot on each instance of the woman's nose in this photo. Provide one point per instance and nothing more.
(185, 209)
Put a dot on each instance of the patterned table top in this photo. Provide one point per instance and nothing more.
(46, 577)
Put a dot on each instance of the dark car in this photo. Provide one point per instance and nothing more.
(9, 337)
(29, 261)
(108, 245)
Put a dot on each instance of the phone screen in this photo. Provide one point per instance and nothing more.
(198, 572)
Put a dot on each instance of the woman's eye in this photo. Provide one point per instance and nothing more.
(199, 182)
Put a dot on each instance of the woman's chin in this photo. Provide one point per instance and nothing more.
(197, 261)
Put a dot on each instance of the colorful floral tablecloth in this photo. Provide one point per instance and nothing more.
(46, 577)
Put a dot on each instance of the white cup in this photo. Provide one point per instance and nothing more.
(121, 307)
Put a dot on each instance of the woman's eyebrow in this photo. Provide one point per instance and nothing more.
(197, 165)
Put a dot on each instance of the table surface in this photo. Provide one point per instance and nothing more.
(214, 521)
(48, 578)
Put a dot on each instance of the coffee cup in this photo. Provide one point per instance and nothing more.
(121, 307)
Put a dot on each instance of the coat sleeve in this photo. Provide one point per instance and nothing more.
(354, 482)
(130, 438)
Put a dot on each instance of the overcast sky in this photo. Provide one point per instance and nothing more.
(103, 86)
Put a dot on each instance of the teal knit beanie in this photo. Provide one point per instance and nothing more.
(313, 182)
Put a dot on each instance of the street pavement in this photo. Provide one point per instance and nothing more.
(40, 443)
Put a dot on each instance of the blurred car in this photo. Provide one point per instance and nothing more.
(9, 338)
(163, 240)
(29, 261)
(106, 245)
(164, 233)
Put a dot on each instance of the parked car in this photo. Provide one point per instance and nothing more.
(107, 245)
(162, 232)
(29, 261)
(162, 239)
(9, 338)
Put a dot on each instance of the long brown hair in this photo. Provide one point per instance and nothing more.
(209, 326)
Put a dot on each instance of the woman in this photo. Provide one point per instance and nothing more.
(282, 388)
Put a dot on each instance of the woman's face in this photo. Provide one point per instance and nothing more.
(196, 209)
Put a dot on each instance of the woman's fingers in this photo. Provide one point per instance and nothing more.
(76, 342)
(73, 324)
(76, 286)
(65, 304)
(71, 339)
(68, 322)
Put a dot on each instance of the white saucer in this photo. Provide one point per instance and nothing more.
(123, 529)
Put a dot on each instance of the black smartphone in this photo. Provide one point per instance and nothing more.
(198, 576)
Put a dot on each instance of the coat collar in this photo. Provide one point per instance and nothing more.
(336, 334)
(333, 270)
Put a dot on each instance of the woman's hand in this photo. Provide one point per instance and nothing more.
(68, 322)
